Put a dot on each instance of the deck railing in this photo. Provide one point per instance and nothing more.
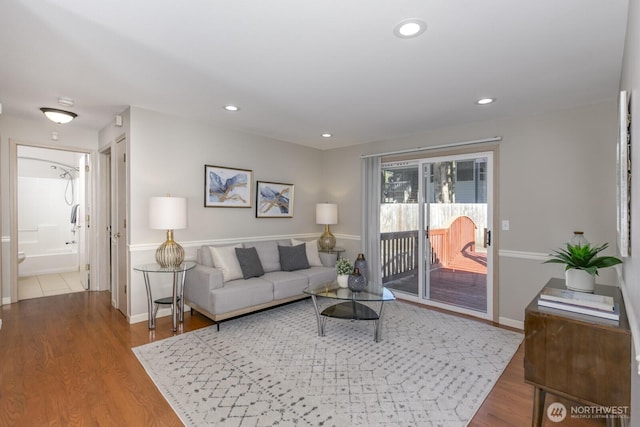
(399, 250)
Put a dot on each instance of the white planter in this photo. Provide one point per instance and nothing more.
(579, 280)
(343, 280)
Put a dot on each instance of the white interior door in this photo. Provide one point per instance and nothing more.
(119, 265)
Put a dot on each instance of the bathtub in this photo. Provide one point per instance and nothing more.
(60, 260)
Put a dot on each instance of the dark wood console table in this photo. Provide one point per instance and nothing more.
(581, 358)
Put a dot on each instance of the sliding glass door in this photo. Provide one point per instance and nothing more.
(435, 236)
(399, 227)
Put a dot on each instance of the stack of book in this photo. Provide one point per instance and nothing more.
(579, 302)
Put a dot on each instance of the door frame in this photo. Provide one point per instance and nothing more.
(491, 251)
(109, 179)
(493, 301)
(13, 210)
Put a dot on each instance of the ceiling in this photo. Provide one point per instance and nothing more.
(298, 68)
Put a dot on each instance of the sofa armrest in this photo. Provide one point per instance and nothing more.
(200, 281)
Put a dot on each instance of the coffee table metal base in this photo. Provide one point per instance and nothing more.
(350, 310)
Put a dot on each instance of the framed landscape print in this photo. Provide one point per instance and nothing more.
(623, 195)
(274, 200)
(227, 187)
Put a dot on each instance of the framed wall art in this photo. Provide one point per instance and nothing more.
(227, 187)
(274, 200)
(623, 187)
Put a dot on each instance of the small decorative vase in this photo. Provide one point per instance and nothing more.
(361, 264)
(357, 282)
(579, 280)
(343, 280)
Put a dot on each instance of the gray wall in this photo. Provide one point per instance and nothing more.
(167, 155)
(630, 81)
(556, 174)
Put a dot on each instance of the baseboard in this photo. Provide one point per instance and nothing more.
(505, 321)
(163, 312)
(6, 300)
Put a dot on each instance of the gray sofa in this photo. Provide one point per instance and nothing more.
(220, 290)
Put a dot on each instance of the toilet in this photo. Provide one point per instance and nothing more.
(21, 257)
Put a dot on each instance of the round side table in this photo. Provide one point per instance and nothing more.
(176, 301)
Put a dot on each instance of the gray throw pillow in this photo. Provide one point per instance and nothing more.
(249, 262)
(293, 257)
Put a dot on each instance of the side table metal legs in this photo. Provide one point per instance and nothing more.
(150, 310)
(177, 314)
(177, 301)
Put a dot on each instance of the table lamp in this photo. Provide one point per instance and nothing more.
(326, 214)
(168, 213)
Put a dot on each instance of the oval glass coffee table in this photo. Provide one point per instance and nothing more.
(351, 304)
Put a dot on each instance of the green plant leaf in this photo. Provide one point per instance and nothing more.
(583, 257)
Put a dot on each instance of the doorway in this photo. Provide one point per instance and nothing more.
(435, 235)
(50, 221)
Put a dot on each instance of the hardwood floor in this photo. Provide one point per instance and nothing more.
(67, 360)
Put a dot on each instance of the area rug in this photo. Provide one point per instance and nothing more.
(272, 368)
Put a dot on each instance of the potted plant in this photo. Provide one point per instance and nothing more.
(343, 268)
(582, 264)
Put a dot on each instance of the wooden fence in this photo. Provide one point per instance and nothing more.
(399, 250)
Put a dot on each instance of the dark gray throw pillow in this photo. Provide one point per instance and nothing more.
(249, 262)
(293, 257)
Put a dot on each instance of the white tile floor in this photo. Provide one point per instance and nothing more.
(49, 284)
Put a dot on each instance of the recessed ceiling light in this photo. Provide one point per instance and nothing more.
(485, 101)
(410, 28)
(231, 107)
(326, 135)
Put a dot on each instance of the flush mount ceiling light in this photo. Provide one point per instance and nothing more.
(231, 107)
(58, 116)
(327, 135)
(410, 28)
(485, 101)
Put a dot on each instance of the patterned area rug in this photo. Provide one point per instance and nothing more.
(272, 368)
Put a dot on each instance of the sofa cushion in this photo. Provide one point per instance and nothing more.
(249, 262)
(319, 275)
(268, 254)
(312, 251)
(224, 258)
(287, 283)
(293, 257)
(239, 294)
(204, 256)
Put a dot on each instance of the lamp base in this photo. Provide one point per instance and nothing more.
(169, 254)
(327, 241)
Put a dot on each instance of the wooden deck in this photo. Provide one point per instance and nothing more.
(462, 283)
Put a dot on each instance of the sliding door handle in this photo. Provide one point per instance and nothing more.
(487, 237)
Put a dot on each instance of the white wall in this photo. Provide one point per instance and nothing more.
(630, 80)
(556, 174)
(31, 132)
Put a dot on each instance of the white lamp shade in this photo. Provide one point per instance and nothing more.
(168, 213)
(326, 213)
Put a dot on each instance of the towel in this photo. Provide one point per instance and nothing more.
(74, 214)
